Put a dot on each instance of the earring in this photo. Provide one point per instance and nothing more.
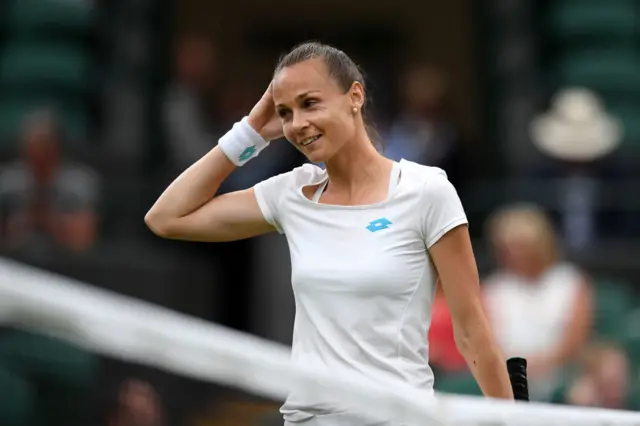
(355, 110)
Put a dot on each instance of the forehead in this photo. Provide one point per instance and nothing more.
(300, 78)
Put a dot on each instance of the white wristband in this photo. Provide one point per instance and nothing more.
(242, 143)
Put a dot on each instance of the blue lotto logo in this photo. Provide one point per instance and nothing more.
(247, 153)
(379, 224)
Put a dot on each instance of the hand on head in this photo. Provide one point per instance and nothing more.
(263, 117)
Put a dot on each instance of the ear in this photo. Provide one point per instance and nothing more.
(357, 95)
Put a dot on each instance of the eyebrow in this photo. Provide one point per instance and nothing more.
(301, 96)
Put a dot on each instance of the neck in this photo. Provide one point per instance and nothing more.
(357, 162)
(534, 271)
(43, 175)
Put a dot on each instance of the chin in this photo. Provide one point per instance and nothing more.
(317, 156)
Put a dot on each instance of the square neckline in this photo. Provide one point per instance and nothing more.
(394, 183)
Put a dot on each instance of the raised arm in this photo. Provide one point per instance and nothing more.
(189, 209)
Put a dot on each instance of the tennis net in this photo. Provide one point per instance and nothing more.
(134, 331)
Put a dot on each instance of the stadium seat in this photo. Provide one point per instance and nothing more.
(629, 115)
(605, 70)
(632, 335)
(594, 44)
(60, 374)
(602, 19)
(613, 74)
(17, 398)
(39, 64)
(29, 16)
(45, 62)
(613, 303)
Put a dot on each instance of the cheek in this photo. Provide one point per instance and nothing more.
(337, 124)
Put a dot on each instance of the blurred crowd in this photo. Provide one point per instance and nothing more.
(576, 331)
(72, 202)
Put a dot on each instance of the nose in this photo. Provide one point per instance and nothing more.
(299, 123)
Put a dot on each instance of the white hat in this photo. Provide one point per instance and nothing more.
(576, 128)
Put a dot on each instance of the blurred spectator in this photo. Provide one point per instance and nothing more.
(45, 198)
(422, 131)
(579, 134)
(138, 405)
(539, 306)
(443, 351)
(190, 121)
(603, 380)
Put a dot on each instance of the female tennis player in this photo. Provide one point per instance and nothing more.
(368, 236)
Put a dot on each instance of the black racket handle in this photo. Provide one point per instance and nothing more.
(517, 368)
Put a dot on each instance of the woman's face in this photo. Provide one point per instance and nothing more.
(317, 115)
(517, 255)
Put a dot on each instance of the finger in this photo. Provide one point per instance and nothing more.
(269, 91)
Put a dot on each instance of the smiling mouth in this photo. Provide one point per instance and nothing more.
(309, 141)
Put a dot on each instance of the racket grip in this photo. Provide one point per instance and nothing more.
(517, 368)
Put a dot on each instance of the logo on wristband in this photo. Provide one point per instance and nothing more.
(247, 153)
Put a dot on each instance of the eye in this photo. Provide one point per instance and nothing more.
(283, 112)
(310, 102)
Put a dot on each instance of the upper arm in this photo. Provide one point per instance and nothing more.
(233, 216)
(228, 217)
(447, 239)
(453, 258)
(579, 325)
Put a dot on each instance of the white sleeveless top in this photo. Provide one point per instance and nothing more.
(528, 317)
(362, 277)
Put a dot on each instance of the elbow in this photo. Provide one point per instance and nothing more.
(464, 344)
(157, 225)
(474, 338)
